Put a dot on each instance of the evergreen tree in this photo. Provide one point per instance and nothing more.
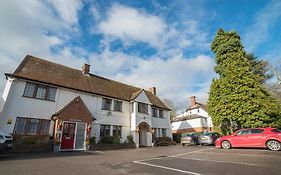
(259, 67)
(237, 98)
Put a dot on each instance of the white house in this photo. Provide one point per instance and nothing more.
(194, 119)
(70, 105)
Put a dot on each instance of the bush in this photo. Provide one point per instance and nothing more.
(177, 137)
(93, 140)
(107, 139)
(163, 141)
(130, 139)
(116, 139)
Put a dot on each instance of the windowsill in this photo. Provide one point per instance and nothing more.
(39, 99)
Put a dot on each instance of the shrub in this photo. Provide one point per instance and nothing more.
(177, 137)
(107, 139)
(130, 139)
(116, 139)
(93, 140)
(163, 141)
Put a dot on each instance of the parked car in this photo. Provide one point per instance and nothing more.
(190, 138)
(208, 138)
(256, 138)
(5, 141)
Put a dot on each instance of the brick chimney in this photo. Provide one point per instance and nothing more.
(86, 69)
(193, 101)
(152, 90)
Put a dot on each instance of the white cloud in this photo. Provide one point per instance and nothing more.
(32, 28)
(68, 10)
(260, 30)
(176, 78)
(130, 24)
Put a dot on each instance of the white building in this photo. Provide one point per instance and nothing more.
(194, 119)
(45, 98)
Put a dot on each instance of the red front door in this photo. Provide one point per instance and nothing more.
(67, 141)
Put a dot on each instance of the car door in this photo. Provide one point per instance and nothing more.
(240, 138)
(256, 138)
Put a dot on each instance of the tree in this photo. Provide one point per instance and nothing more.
(237, 98)
(274, 86)
(259, 67)
(170, 104)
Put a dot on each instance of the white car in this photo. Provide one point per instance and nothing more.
(5, 141)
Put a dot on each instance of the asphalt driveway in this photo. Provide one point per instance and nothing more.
(171, 160)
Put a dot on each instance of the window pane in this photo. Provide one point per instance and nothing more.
(29, 90)
(142, 108)
(154, 112)
(41, 92)
(163, 132)
(117, 131)
(32, 126)
(256, 131)
(20, 125)
(106, 104)
(52, 93)
(161, 113)
(117, 105)
(104, 130)
(45, 126)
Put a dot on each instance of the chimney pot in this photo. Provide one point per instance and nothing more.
(152, 90)
(86, 69)
(193, 101)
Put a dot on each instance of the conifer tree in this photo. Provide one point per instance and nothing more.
(237, 98)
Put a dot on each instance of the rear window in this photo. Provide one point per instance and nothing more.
(276, 130)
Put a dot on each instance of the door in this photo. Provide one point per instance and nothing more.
(67, 140)
(240, 139)
(143, 137)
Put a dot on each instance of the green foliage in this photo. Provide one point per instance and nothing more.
(110, 140)
(93, 140)
(130, 139)
(237, 98)
(163, 141)
(177, 137)
(259, 67)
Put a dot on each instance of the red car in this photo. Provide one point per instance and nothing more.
(256, 138)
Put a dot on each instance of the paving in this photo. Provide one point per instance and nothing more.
(172, 160)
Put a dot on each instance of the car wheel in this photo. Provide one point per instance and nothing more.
(225, 144)
(183, 144)
(273, 145)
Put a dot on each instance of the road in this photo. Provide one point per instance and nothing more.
(172, 160)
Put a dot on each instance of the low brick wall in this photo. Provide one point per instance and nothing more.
(95, 147)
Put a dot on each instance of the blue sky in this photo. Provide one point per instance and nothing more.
(144, 43)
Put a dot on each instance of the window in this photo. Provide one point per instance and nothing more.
(142, 108)
(164, 132)
(243, 132)
(29, 90)
(154, 112)
(256, 131)
(31, 126)
(117, 105)
(39, 91)
(276, 130)
(106, 104)
(161, 113)
(104, 130)
(117, 131)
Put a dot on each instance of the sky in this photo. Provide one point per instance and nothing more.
(165, 44)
